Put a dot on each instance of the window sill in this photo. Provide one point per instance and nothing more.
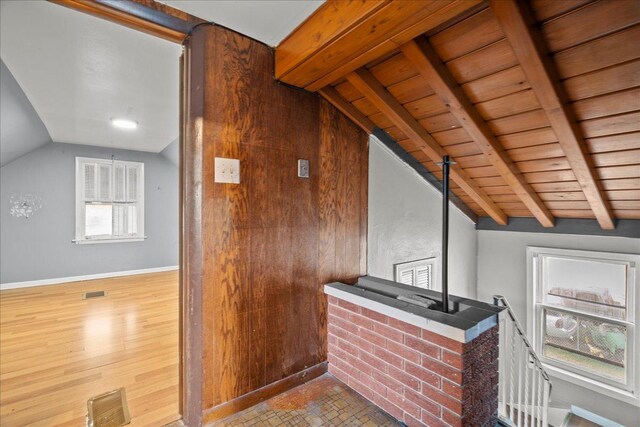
(118, 240)
(592, 384)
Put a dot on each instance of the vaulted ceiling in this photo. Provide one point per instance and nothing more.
(538, 102)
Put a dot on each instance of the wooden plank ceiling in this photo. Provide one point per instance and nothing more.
(538, 102)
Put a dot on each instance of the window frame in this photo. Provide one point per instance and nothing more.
(627, 391)
(80, 237)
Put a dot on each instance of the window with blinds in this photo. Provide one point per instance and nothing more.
(418, 273)
(109, 200)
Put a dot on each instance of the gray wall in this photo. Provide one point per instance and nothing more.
(502, 270)
(40, 247)
(21, 129)
(405, 223)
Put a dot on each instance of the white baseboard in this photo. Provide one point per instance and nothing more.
(56, 281)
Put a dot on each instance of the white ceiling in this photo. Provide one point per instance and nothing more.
(79, 71)
(269, 21)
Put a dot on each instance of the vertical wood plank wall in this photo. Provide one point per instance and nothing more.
(271, 242)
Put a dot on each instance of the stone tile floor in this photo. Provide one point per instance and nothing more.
(324, 401)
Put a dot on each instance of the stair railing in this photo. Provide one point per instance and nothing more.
(524, 386)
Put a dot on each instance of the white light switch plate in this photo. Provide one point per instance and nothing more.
(227, 170)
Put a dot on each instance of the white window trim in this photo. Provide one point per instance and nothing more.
(80, 238)
(630, 393)
(435, 271)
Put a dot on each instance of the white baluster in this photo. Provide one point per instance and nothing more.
(521, 360)
(534, 384)
(545, 403)
(502, 360)
(511, 369)
(526, 386)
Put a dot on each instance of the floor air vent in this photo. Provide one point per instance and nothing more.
(94, 294)
(108, 410)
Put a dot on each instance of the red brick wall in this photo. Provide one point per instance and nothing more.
(417, 376)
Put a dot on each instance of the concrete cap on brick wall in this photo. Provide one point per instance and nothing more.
(466, 320)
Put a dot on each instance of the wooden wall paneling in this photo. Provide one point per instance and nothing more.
(366, 83)
(426, 60)
(272, 241)
(516, 20)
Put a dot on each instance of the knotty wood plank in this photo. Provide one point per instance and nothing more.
(366, 83)
(515, 19)
(425, 59)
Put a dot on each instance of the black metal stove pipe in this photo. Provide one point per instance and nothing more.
(445, 234)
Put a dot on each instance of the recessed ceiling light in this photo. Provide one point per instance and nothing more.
(124, 123)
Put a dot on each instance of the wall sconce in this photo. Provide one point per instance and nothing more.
(24, 205)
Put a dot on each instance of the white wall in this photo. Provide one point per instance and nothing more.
(405, 223)
(40, 247)
(502, 270)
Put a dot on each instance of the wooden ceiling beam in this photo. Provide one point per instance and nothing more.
(147, 16)
(420, 53)
(342, 36)
(332, 95)
(367, 84)
(517, 22)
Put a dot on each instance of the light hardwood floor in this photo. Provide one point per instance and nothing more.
(58, 350)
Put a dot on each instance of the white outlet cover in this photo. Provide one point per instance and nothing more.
(227, 171)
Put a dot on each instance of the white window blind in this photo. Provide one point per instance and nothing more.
(416, 273)
(109, 200)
